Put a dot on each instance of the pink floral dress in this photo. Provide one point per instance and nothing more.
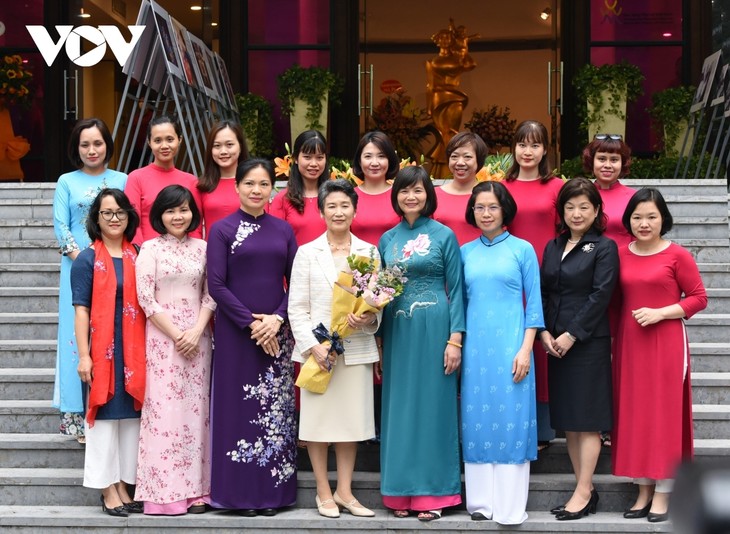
(173, 468)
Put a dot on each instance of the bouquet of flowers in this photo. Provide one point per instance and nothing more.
(14, 82)
(366, 288)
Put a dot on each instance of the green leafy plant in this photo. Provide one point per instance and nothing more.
(402, 120)
(257, 121)
(668, 109)
(310, 85)
(590, 81)
(494, 125)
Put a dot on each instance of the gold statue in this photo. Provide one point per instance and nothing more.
(445, 101)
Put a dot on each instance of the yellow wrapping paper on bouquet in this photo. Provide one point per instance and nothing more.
(311, 376)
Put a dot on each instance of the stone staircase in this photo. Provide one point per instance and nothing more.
(41, 471)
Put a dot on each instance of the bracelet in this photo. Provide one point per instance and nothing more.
(571, 337)
(454, 343)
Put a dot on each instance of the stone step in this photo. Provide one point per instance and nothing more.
(30, 274)
(704, 227)
(29, 325)
(707, 250)
(709, 327)
(26, 384)
(28, 190)
(715, 274)
(716, 187)
(27, 208)
(29, 299)
(35, 251)
(711, 421)
(28, 353)
(27, 229)
(718, 300)
(710, 357)
(41, 450)
(710, 388)
(688, 206)
(28, 417)
(53, 487)
(62, 519)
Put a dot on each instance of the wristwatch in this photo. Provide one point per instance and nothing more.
(279, 318)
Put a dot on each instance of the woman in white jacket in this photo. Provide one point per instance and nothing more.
(343, 415)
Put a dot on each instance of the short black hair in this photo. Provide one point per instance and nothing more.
(481, 151)
(408, 177)
(73, 142)
(648, 194)
(164, 119)
(247, 166)
(505, 199)
(383, 143)
(92, 221)
(575, 188)
(336, 186)
(173, 196)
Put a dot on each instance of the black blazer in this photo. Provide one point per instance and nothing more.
(576, 290)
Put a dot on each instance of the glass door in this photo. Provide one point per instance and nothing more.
(510, 46)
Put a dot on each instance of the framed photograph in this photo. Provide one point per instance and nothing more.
(165, 32)
(155, 74)
(183, 50)
(135, 65)
(704, 88)
(202, 68)
(226, 82)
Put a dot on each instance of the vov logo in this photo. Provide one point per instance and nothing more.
(101, 36)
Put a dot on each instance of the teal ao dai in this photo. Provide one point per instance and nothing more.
(502, 285)
(419, 452)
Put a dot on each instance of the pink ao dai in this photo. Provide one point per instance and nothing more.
(174, 455)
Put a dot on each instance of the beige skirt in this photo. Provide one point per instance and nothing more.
(342, 413)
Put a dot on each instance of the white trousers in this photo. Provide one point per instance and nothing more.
(499, 491)
(111, 452)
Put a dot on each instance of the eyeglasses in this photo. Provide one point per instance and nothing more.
(479, 210)
(614, 137)
(121, 215)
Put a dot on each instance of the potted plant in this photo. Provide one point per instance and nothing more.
(305, 93)
(606, 90)
(670, 109)
(257, 121)
(495, 126)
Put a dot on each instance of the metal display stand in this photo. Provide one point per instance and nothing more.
(162, 79)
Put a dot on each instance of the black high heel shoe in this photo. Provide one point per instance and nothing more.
(590, 508)
(638, 513)
(657, 518)
(594, 498)
(134, 507)
(119, 511)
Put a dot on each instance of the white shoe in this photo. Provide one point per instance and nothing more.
(354, 507)
(326, 512)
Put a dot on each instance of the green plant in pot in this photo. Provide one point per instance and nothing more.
(314, 87)
(670, 109)
(257, 121)
(603, 93)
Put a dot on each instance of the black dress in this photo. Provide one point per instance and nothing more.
(576, 292)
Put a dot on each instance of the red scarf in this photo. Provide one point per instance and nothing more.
(102, 330)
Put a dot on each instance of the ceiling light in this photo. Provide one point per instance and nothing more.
(545, 13)
(84, 15)
(666, 34)
(196, 8)
(214, 24)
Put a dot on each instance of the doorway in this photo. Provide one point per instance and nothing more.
(516, 43)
